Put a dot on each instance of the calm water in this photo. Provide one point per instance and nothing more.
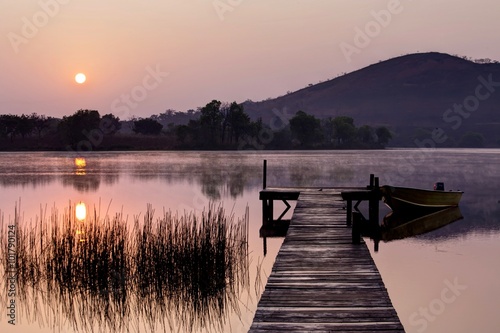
(444, 281)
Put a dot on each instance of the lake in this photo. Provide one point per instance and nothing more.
(443, 281)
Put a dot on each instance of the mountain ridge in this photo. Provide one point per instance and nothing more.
(410, 94)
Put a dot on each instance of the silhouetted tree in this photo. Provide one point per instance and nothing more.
(306, 129)
(147, 126)
(9, 126)
(211, 118)
(282, 139)
(182, 133)
(328, 132)
(176, 117)
(237, 122)
(344, 131)
(25, 125)
(255, 127)
(383, 135)
(40, 123)
(110, 124)
(77, 127)
(366, 135)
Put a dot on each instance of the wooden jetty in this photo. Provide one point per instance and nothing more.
(321, 280)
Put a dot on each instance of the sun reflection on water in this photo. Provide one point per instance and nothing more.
(184, 272)
(80, 211)
(80, 164)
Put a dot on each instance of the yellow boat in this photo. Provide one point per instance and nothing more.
(406, 198)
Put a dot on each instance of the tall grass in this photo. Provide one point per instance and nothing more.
(176, 272)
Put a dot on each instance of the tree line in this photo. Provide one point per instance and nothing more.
(217, 125)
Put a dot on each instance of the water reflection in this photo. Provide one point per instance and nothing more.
(217, 183)
(400, 225)
(182, 273)
(218, 175)
(26, 180)
(80, 164)
(405, 223)
(82, 182)
(80, 211)
(222, 175)
(175, 180)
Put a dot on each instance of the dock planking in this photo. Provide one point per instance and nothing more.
(320, 281)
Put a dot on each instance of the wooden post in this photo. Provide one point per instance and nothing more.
(376, 201)
(265, 201)
(374, 205)
(349, 212)
(264, 211)
(264, 178)
(372, 176)
(357, 221)
(270, 212)
(267, 211)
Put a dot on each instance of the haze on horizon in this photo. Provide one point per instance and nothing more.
(142, 58)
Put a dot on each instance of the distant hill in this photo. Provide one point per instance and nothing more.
(409, 94)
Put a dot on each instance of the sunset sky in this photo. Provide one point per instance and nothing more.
(143, 57)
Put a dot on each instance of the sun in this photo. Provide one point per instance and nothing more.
(80, 78)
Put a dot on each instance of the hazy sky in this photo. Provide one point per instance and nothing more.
(143, 57)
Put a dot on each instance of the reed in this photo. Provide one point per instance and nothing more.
(176, 271)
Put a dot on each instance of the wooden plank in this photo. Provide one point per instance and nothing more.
(320, 281)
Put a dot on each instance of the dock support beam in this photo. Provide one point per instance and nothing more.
(374, 203)
(357, 221)
(264, 176)
(267, 211)
(354, 218)
(349, 213)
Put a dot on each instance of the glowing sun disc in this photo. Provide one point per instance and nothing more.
(80, 78)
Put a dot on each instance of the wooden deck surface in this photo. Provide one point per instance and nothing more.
(320, 282)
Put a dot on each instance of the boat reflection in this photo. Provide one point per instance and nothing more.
(399, 225)
(403, 224)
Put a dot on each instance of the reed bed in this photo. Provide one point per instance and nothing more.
(176, 272)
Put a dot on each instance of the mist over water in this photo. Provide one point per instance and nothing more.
(415, 271)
